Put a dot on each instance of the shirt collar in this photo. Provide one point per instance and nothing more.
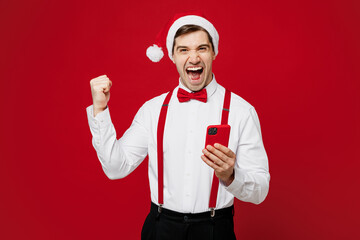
(210, 88)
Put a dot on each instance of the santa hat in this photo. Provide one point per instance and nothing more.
(155, 53)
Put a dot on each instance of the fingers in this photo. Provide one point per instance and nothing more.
(210, 163)
(225, 150)
(217, 158)
(101, 83)
(102, 86)
(102, 78)
(221, 153)
(217, 153)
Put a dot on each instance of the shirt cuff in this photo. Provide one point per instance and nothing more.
(238, 182)
(101, 120)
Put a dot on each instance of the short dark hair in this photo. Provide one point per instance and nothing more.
(189, 28)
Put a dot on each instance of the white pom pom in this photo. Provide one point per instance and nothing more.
(154, 53)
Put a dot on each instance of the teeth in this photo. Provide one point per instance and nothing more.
(194, 68)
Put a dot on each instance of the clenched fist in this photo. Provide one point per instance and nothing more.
(100, 91)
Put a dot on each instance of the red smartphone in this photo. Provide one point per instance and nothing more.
(217, 134)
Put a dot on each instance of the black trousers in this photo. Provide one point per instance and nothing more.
(170, 225)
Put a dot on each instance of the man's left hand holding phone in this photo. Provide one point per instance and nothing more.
(217, 155)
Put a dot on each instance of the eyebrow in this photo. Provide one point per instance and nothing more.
(201, 45)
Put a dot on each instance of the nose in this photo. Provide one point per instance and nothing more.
(194, 57)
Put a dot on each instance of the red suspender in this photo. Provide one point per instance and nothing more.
(224, 120)
(226, 107)
(160, 151)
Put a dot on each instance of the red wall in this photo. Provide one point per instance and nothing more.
(296, 61)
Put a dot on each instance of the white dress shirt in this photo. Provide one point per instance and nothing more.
(187, 179)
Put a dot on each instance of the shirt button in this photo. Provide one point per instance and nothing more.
(188, 195)
(97, 142)
(95, 122)
(188, 174)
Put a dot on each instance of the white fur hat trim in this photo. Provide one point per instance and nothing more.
(193, 20)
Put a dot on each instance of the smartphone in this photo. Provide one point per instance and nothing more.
(217, 134)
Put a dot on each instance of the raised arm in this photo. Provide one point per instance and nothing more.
(117, 157)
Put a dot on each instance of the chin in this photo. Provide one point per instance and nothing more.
(195, 85)
(195, 88)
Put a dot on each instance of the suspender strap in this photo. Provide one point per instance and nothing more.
(226, 107)
(215, 183)
(160, 151)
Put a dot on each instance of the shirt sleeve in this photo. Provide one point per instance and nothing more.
(118, 157)
(251, 182)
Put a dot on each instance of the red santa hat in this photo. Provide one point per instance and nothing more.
(155, 53)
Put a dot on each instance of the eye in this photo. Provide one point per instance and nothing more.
(203, 49)
(183, 50)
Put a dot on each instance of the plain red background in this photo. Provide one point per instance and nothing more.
(296, 62)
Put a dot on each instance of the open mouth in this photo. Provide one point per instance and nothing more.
(194, 72)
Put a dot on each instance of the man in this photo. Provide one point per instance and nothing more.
(171, 129)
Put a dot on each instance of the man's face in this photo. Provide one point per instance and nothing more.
(193, 57)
